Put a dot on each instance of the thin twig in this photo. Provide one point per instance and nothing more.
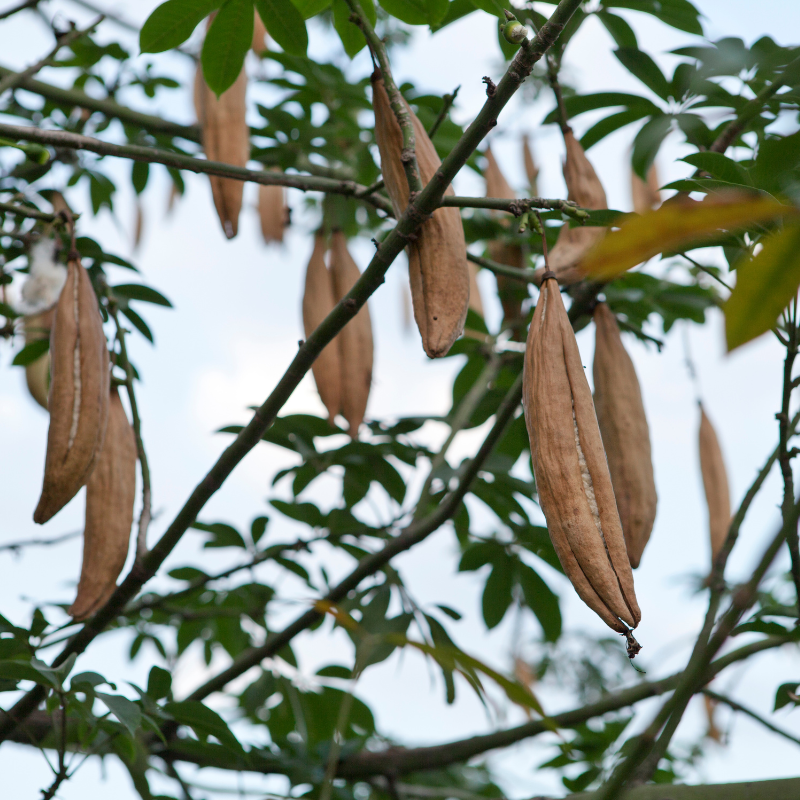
(33, 213)
(552, 76)
(146, 514)
(721, 698)
(447, 104)
(14, 80)
(517, 207)
(20, 545)
(521, 275)
(16, 9)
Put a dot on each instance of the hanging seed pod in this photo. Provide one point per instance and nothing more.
(78, 400)
(510, 292)
(110, 494)
(318, 302)
(355, 339)
(138, 226)
(226, 138)
(625, 432)
(569, 463)
(713, 732)
(715, 483)
(259, 44)
(475, 301)
(437, 259)
(531, 170)
(585, 189)
(37, 373)
(645, 196)
(272, 212)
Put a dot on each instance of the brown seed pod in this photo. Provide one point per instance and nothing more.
(585, 189)
(78, 400)
(572, 478)
(138, 226)
(645, 196)
(226, 138)
(715, 483)
(110, 494)
(510, 292)
(37, 373)
(272, 212)
(318, 302)
(475, 301)
(625, 432)
(531, 170)
(713, 732)
(259, 45)
(355, 339)
(437, 259)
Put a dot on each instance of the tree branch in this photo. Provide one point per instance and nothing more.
(521, 275)
(447, 104)
(423, 205)
(21, 7)
(24, 211)
(517, 207)
(153, 155)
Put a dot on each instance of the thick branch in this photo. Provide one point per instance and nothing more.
(153, 155)
(517, 207)
(423, 205)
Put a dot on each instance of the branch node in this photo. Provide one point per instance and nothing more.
(491, 88)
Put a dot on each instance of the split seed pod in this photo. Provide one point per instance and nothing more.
(437, 259)
(226, 138)
(625, 432)
(318, 302)
(531, 170)
(110, 494)
(259, 44)
(272, 212)
(78, 400)
(510, 292)
(355, 339)
(585, 189)
(715, 483)
(569, 463)
(37, 373)
(645, 196)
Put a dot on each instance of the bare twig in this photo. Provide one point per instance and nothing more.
(15, 547)
(736, 706)
(447, 104)
(16, 9)
(25, 211)
(521, 275)
(518, 207)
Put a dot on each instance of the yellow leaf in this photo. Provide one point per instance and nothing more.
(675, 224)
(765, 285)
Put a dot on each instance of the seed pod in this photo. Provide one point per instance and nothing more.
(78, 401)
(475, 301)
(645, 196)
(318, 302)
(37, 373)
(572, 477)
(713, 732)
(226, 138)
(585, 189)
(259, 45)
(625, 432)
(138, 226)
(110, 494)
(715, 483)
(510, 292)
(437, 259)
(272, 212)
(531, 170)
(355, 339)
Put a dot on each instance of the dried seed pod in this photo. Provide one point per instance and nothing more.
(572, 478)
(713, 731)
(510, 292)
(475, 301)
(355, 339)
(645, 196)
(437, 259)
(110, 494)
(531, 170)
(37, 373)
(625, 432)
(272, 212)
(138, 226)
(78, 400)
(715, 483)
(585, 189)
(226, 138)
(259, 44)
(318, 302)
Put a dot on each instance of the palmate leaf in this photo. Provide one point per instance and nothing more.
(673, 225)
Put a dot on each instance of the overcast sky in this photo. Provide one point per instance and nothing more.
(235, 328)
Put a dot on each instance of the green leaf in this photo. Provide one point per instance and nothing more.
(497, 592)
(647, 143)
(606, 126)
(126, 711)
(204, 722)
(352, 38)
(57, 674)
(7, 311)
(302, 512)
(91, 678)
(227, 42)
(31, 352)
(136, 291)
(580, 104)
(257, 528)
(718, 166)
(223, 535)
(310, 8)
(620, 31)
(764, 287)
(172, 23)
(138, 323)
(540, 599)
(642, 66)
(140, 172)
(159, 683)
(493, 7)
(285, 25)
(787, 693)
(416, 12)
